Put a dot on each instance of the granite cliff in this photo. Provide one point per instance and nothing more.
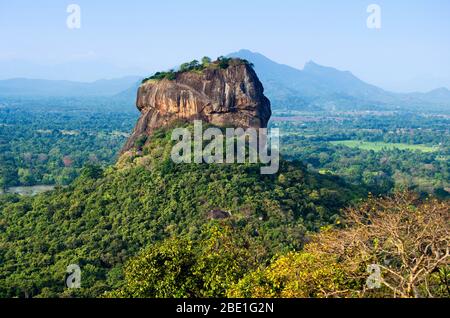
(222, 95)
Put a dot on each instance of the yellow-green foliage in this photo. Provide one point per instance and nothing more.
(179, 267)
(295, 275)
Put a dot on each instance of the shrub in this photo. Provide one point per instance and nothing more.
(221, 62)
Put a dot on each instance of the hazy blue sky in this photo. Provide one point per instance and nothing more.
(410, 51)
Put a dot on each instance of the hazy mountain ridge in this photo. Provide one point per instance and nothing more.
(320, 87)
(316, 87)
(438, 95)
(77, 70)
(40, 87)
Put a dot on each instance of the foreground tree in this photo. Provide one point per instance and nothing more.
(408, 240)
(179, 267)
(388, 247)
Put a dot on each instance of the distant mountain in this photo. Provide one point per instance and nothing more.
(439, 95)
(83, 70)
(130, 93)
(319, 87)
(315, 87)
(38, 87)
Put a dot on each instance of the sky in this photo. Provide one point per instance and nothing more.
(411, 50)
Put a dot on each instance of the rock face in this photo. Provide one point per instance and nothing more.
(223, 97)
